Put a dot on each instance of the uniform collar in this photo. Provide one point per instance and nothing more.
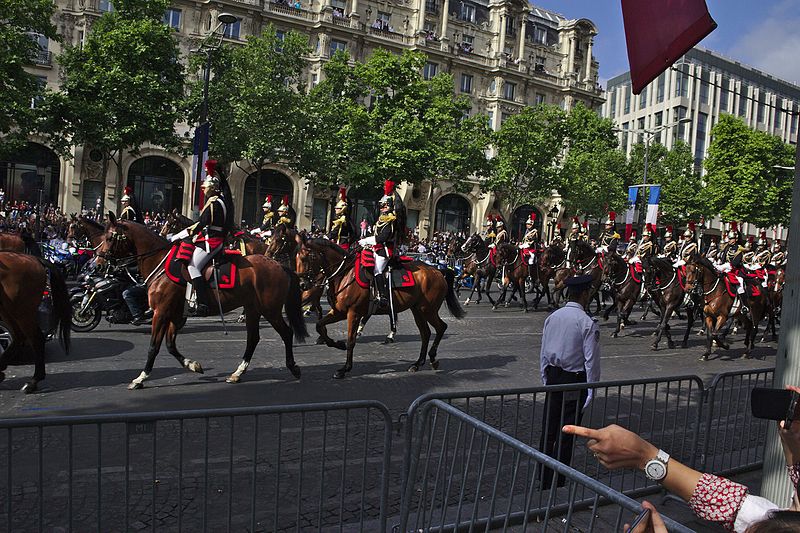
(575, 305)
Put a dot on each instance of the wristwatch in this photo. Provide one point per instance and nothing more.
(656, 468)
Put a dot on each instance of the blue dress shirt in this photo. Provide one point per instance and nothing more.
(571, 341)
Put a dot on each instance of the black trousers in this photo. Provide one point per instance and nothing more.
(560, 409)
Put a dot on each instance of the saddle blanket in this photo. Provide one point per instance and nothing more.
(732, 284)
(180, 255)
(365, 262)
(636, 272)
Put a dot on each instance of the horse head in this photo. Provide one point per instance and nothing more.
(473, 244)
(697, 267)
(283, 241)
(116, 242)
(613, 264)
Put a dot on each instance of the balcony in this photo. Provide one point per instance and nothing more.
(386, 34)
(43, 58)
(284, 8)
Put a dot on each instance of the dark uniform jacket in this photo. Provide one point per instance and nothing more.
(212, 219)
(128, 213)
(384, 234)
(610, 239)
(342, 230)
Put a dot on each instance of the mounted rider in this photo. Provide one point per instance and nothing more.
(286, 214)
(713, 250)
(670, 250)
(209, 232)
(778, 255)
(688, 247)
(268, 220)
(609, 239)
(342, 231)
(488, 229)
(502, 234)
(130, 210)
(731, 259)
(762, 254)
(530, 241)
(630, 249)
(574, 235)
(385, 237)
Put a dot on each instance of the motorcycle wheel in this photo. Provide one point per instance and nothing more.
(88, 320)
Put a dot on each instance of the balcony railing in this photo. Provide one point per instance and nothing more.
(43, 57)
(290, 10)
(394, 36)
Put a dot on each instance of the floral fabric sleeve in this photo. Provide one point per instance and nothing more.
(794, 474)
(717, 499)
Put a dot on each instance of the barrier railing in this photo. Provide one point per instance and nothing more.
(466, 474)
(285, 468)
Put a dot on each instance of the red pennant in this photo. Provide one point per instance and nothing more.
(658, 32)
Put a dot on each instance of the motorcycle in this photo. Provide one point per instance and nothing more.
(99, 293)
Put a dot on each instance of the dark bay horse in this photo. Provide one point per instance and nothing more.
(625, 288)
(670, 295)
(479, 266)
(23, 281)
(515, 271)
(551, 261)
(703, 279)
(308, 266)
(349, 301)
(282, 246)
(584, 261)
(265, 289)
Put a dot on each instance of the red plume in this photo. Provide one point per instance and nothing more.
(285, 199)
(751, 239)
(586, 222)
(633, 234)
(211, 166)
(576, 219)
(269, 198)
(734, 227)
(650, 227)
(558, 226)
(763, 234)
(692, 225)
(532, 217)
(343, 194)
(669, 229)
(388, 187)
(128, 190)
(612, 216)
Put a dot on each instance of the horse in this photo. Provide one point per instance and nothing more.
(479, 266)
(308, 266)
(775, 288)
(86, 230)
(703, 279)
(625, 288)
(19, 242)
(514, 271)
(282, 246)
(584, 261)
(175, 222)
(264, 289)
(24, 280)
(551, 261)
(349, 300)
(669, 294)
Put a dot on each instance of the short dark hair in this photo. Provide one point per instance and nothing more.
(778, 522)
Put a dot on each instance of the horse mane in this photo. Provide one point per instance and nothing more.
(703, 261)
(138, 228)
(662, 264)
(91, 223)
(325, 243)
(583, 247)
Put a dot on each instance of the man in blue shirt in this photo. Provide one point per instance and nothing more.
(570, 354)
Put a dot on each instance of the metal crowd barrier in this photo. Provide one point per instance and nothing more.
(667, 412)
(284, 468)
(467, 475)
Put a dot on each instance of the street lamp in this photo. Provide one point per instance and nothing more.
(211, 43)
(553, 221)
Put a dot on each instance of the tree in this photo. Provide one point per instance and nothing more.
(528, 149)
(592, 176)
(742, 182)
(17, 51)
(122, 87)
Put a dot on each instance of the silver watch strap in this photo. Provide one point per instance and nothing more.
(663, 456)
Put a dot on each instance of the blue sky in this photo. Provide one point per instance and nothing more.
(767, 38)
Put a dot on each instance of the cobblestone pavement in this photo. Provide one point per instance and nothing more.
(245, 475)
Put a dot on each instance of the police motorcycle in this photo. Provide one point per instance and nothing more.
(100, 291)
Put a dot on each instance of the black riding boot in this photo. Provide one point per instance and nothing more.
(203, 295)
(744, 298)
(380, 283)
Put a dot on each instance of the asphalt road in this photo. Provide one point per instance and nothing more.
(486, 350)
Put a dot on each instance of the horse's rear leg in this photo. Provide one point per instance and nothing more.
(440, 326)
(172, 347)
(709, 323)
(690, 314)
(524, 298)
(353, 319)
(157, 332)
(424, 337)
(36, 337)
(275, 318)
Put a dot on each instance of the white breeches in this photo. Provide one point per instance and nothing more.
(723, 267)
(531, 259)
(380, 263)
(635, 259)
(740, 290)
(200, 259)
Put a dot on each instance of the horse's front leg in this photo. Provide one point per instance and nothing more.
(709, 323)
(252, 318)
(332, 317)
(424, 337)
(158, 330)
(523, 296)
(353, 319)
(172, 347)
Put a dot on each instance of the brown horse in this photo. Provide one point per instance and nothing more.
(552, 262)
(264, 289)
(625, 288)
(282, 246)
(348, 300)
(515, 271)
(775, 287)
(312, 278)
(584, 261)
(702, 278)
(23, 282)
(479, 266)
(85, 229)
(176, 222)
(670, 294)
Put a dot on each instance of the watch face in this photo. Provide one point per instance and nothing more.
(655, 470)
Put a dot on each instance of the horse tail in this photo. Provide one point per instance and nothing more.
(453, 305)
(62, 309)
(294, 307)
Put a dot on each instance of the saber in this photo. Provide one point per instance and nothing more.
(219, 302)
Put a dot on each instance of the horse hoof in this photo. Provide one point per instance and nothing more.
(703, 357)
(29, 387)
(340, 345)
(136, 385)
(494, 308)
(654, 347)
(670, 345)
(320, 340)
(2, 376)
(233, 378)
(388, 340)
(295, 370)
(684, 345)
(524, 309)
(614, 335)
(435, 365)
(195, 367)
(466, 302)
(339, 374)
(413, 368)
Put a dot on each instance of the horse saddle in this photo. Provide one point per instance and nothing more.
(402, 277)
(224, 260)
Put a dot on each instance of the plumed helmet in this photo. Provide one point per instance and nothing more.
(648, 230)
(531, 219)
(284, 207)
(125, 198)
(689, 230)
(267, 202)
(211, 166)
(211, 182)
(128, 191)
(776, 246)
(388, 194)
(733, 231)
(342, 203)
(612, 218)
(499, 221)
(576, 223)
(668, 233)
(488, 221)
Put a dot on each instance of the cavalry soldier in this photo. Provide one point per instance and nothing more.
(762, 255)
(342, 231)
(584, 235)
(778, 255)
(268, 220)
(731, 241)
(130, 210)
(208, 234)
(713, 250)
(609, 239)
(670, 250)
(731, 258)
(688, 247)
(489, 231)
(286, 213)
(574, 235)
(630, 249)
(383, 239)
(645, 248)
(502, 235)
(557, 239)
(530, 241)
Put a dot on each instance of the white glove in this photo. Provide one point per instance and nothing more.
(492, 245)
(255, 231)
(179, 236)
(368, 241)
(524, 246)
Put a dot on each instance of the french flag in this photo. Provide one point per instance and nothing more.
(652, 207)
(199, 158)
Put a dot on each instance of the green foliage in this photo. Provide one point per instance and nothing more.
(528, 149)
(741, 181)
(17, 50)
(122, 88)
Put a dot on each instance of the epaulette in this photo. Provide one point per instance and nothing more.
(389, 217)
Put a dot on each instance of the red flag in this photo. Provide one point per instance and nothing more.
(658, 32)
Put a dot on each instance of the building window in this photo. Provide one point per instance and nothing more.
(432, 6)
(794, 125)
(493, 86)
(339, 7)
(700, 139)
(778, 114)
(41, 81)
(429, 70)
(540, 98)
(508, 90)
(679, 132)
(723, 94)
(627, 100)
(682, 81)
(744, 100)
(172, 18)
(336, 46)
(539, 35)
(625, 128)
(314, 79)
(231, 31)
(510, 27)
(490, 114)
(643, 98)
(762, 96)
(504, 117)
(704, 88)
(539, 64)
(466, 83)
(660, 87)
(105, 6)
(467, 12)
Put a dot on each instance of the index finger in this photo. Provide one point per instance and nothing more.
(582, 432)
